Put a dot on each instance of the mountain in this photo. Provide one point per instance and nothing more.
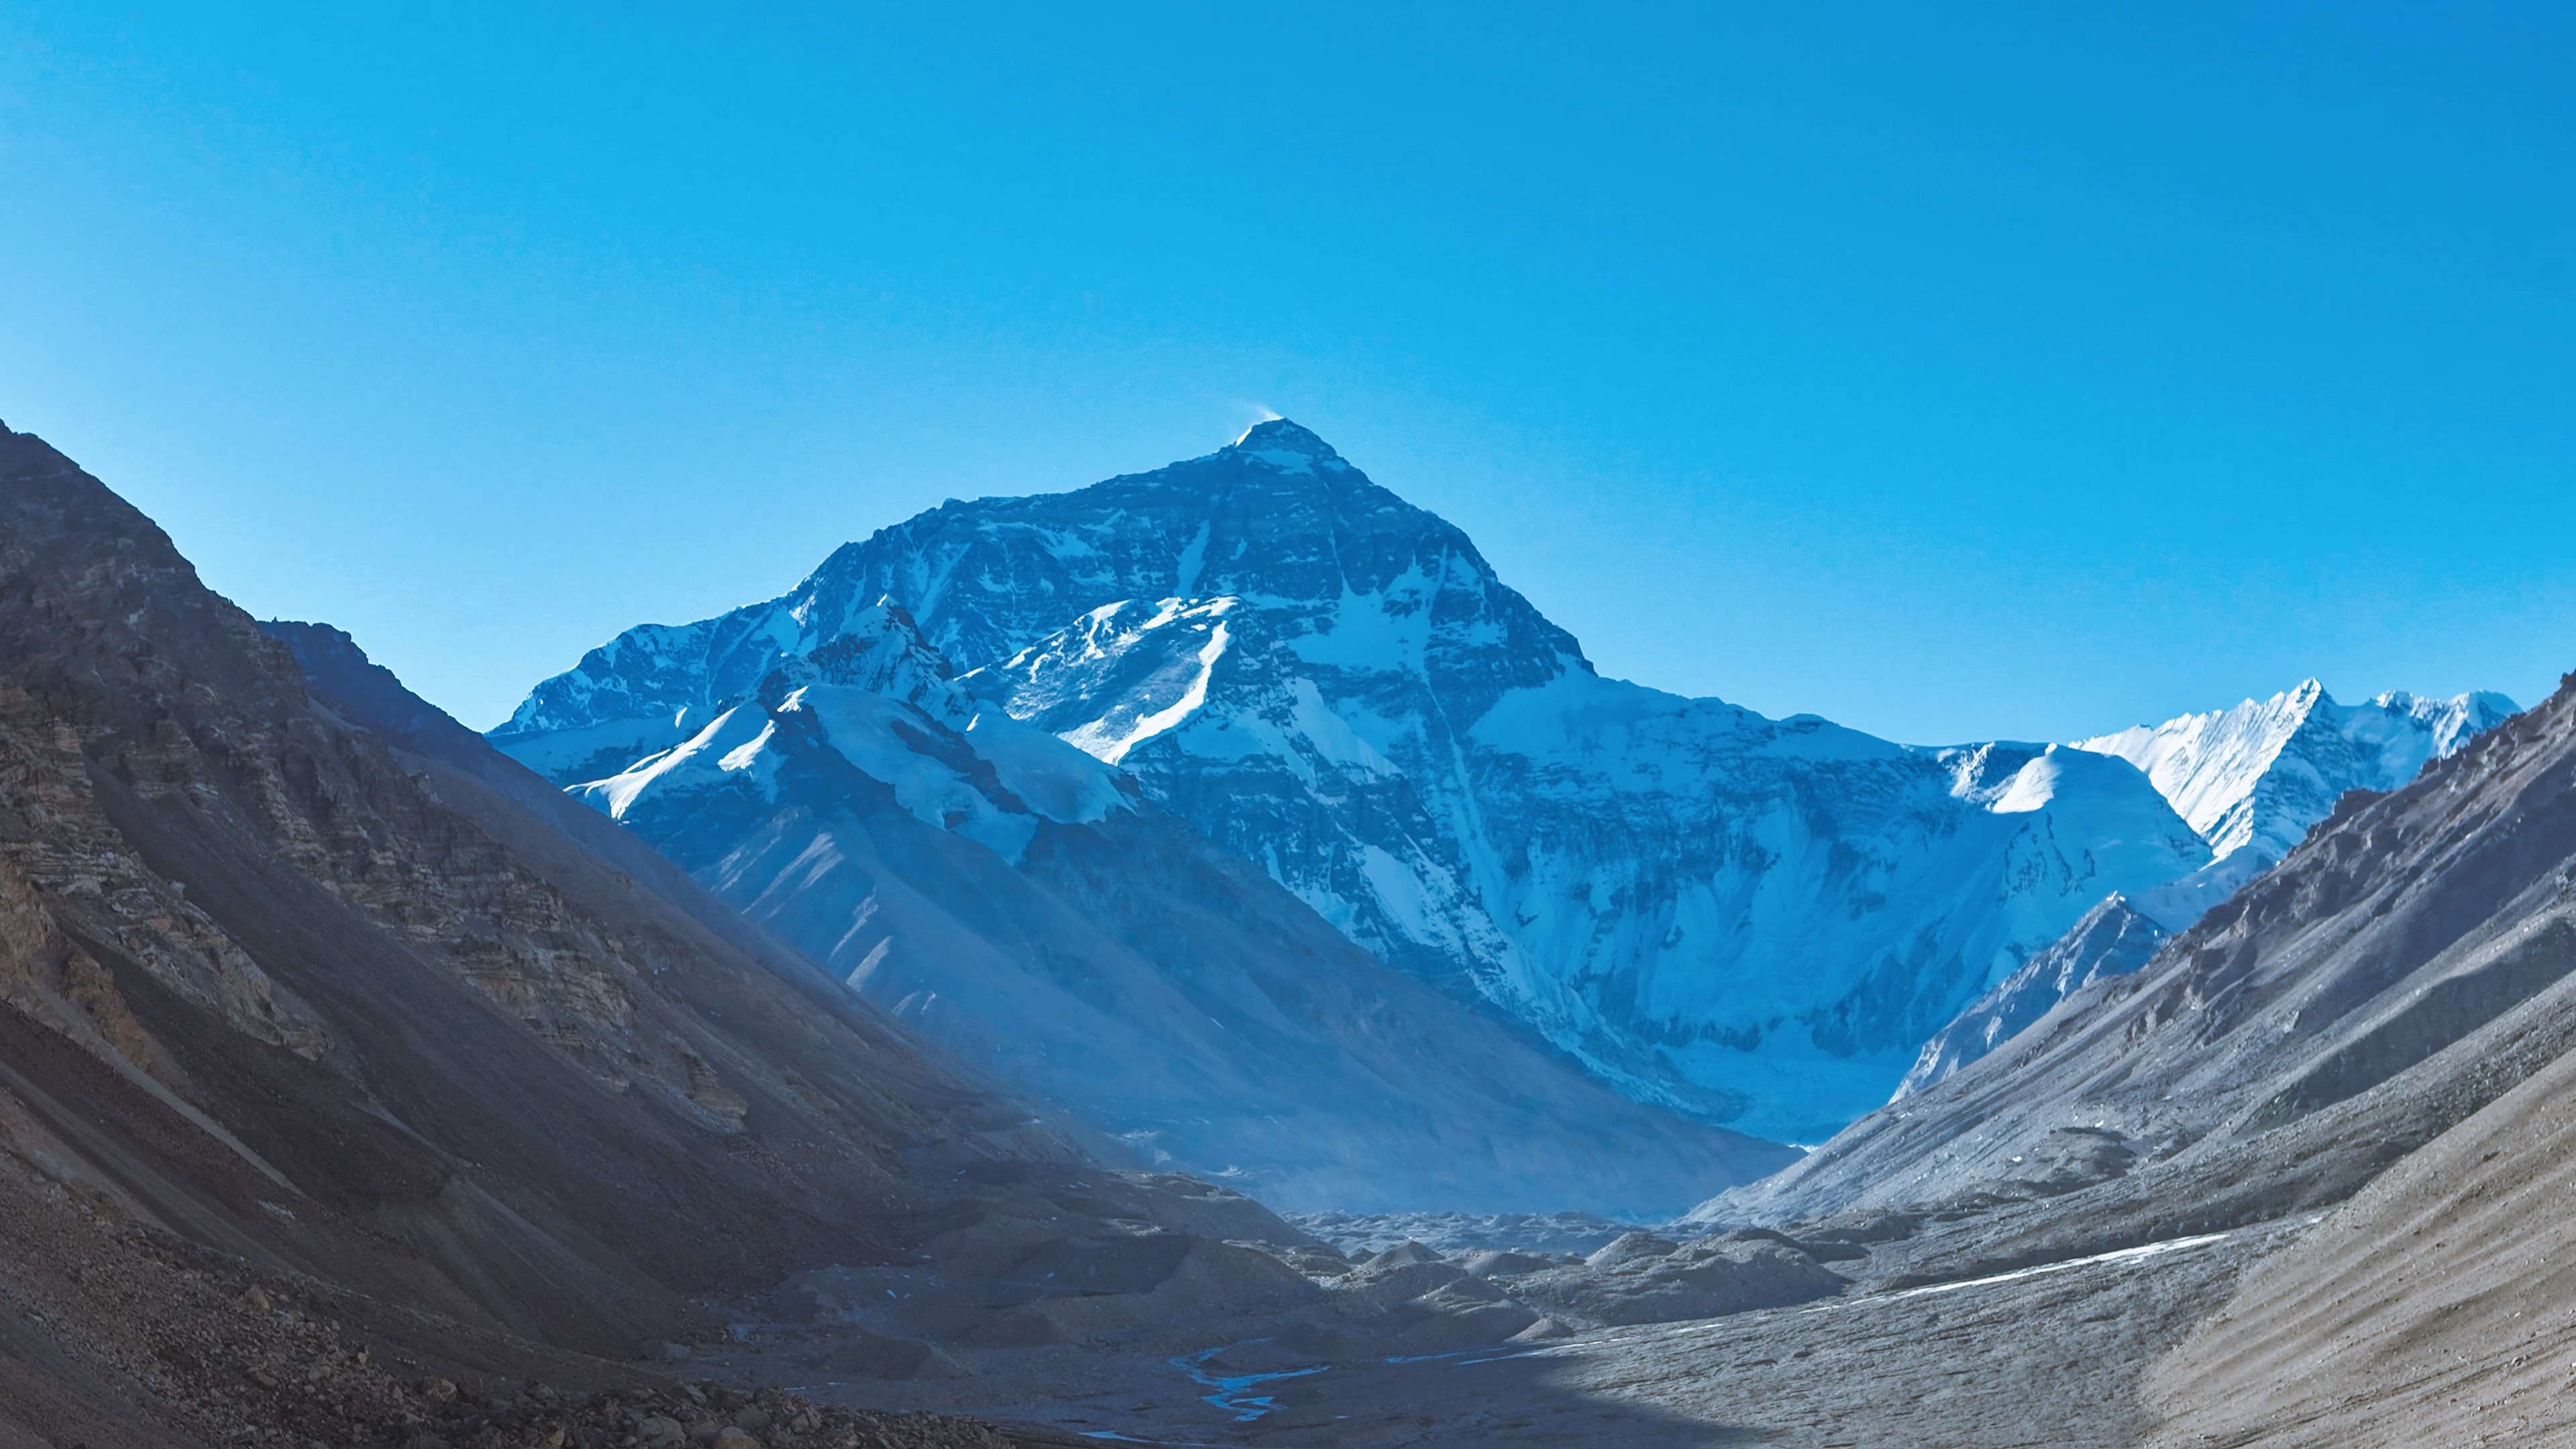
(315, 1036)
(2412, 961)
(1018, 901)
(2253, 778)
(1756, 921)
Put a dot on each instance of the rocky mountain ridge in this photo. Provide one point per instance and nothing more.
(2252, 778)
(2113, 939)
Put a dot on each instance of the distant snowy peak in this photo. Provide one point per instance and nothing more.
(2108, 806)
(2259, 774)
(2009, 777)
(2249, 781)
(2451, 722)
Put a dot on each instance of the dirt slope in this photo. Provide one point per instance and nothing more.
(276, 988)
(2438, 1307)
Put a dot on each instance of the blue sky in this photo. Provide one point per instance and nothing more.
(1950, 371)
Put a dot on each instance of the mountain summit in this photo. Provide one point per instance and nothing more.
(1287, 445)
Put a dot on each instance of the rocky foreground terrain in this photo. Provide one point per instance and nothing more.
(1871, 1331)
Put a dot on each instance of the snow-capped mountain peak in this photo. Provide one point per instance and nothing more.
(1286, 446)
(2259, 774)
(1756, 920)
(2008, 777)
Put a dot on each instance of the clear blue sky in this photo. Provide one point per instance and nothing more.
(1952, 371)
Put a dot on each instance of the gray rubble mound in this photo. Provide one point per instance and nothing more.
(1645, 1279)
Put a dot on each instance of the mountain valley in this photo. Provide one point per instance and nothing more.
(1298, 1003)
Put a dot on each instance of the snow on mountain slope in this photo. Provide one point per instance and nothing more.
(1013, 898)
(1222, 721)
(1120, 675)
(1756, 920)
(886, 703)
(2258, 775)
(2253, 778)
(2113, 939)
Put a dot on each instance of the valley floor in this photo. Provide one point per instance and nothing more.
(2048, 1355)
